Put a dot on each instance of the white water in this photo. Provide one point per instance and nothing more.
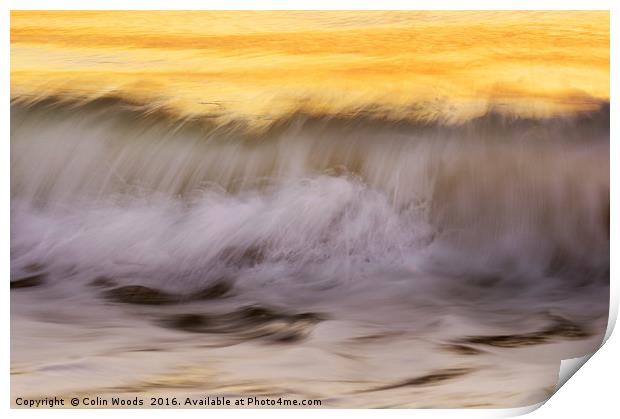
(102, 188)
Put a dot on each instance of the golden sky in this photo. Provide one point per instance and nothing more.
(261, 65)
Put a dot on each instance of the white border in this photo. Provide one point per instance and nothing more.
(592, 392)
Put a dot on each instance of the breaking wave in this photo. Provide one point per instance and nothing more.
(328, 201)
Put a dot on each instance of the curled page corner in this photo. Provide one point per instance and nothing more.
(568, 368)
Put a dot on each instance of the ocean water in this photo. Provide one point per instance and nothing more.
(358, 260)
